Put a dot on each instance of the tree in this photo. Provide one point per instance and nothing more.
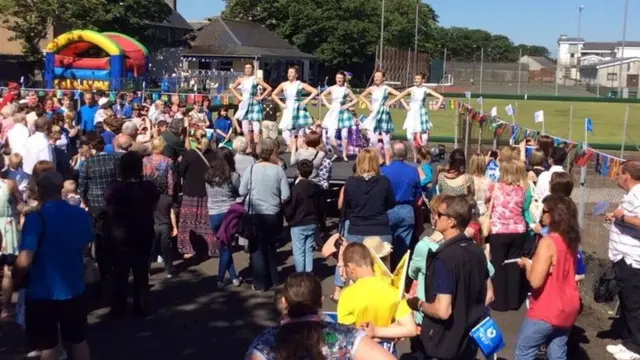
(31, 21)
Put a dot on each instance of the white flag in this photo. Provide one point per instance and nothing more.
(480, 100)
(467, 94)
(509, 110)
(494, 111)
(538, 116)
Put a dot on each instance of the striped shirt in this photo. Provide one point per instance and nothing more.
(624, 240)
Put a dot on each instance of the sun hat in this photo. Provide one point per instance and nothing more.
(377, 246)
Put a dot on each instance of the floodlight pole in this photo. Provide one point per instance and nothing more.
(624, 37)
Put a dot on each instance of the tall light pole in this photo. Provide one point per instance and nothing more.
(381, 33)
(580, 10)
(415, 46)
(624, 37)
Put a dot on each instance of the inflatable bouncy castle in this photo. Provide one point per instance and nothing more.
(67, 67)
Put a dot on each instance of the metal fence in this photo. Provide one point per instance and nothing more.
(533, 75)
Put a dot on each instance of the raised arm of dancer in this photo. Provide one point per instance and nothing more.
(363, 98)
(323, 97)
(437, 96)
(354, 100)
(400, 96)
(234, 89)
(266, 89)
(395, 93)
(310, 89)
(275, 95)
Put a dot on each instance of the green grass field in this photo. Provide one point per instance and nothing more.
(607, 118)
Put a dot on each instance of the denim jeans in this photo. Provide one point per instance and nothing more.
(534, 333)
(401, 220)
(337, 281)
(226, 259)
(302, 242)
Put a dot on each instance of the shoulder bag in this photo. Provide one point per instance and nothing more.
(247, 227)
(485, 220)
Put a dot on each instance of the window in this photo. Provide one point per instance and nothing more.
(573, 56)
(612, 76)
(225, 65)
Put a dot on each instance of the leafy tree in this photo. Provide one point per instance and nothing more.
(31, 21)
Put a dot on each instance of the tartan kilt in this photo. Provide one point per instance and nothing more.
(425, 124)
(383, 122)
(254, 111)
(300, 117)
(345, 119)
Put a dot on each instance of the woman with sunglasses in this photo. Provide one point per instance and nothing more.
(555, 301)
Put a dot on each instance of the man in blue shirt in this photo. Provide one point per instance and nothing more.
(121, 108)
(405, 182)
(54, 241)
(87, 113)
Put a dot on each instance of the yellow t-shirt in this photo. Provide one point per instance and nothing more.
(371, 300)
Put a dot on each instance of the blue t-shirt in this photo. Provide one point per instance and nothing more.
(222, 124)
(86, 116)
(493, 171)
(57, 272)
(108, 137)
(443, 278)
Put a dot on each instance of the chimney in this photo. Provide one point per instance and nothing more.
(173, 4)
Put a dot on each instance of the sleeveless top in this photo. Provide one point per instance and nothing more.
(557, 302)
(445, 188)
(249, 87)
(292, 93)
(418, 97)
(340, 342)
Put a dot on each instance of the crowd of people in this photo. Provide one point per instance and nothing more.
(133, 175)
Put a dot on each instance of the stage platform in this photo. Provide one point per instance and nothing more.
(341, 170)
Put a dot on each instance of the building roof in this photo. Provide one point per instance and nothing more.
(544, 61)
(232, 38)
(564, 38)
(612, 62)
(197, 24)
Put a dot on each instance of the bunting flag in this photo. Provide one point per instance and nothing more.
(604, 167)
(613, 171)
(509, 110)
(500, 130)
(514, 133)
(588, 127)
(598, 166)
(583, 156)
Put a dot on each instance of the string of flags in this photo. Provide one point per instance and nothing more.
(605, 165)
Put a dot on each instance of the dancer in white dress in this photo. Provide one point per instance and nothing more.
(295, 117)
(417, 123)
(249, 111)
(379, 121)
(338, 116)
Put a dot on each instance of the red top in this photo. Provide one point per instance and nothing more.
(557, 302)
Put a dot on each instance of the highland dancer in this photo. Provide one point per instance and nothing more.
(379, 121)
(339, 116)
(249, 111)
(295, 117)
(417, 123)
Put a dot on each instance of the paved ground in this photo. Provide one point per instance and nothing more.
(193, 320)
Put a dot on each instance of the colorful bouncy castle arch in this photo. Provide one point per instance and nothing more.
(65, 69)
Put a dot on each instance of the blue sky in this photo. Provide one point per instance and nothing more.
(538, 22)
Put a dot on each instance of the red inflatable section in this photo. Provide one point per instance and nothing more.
(134, 56)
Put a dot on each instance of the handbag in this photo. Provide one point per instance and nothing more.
(247, 227)
(485, 220)
(21, 280)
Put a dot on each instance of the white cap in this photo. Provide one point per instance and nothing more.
(103, 101)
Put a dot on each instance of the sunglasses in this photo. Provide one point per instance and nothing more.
(440, 214)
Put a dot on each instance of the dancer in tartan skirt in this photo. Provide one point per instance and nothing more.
(249, 111)
(379, 121)
(338, 116)
(295, 117)
(417, 123)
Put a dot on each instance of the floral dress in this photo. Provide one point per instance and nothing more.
(340, 342)
(8, 222)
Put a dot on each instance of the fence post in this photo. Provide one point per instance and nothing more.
(456, 126)
(570, 131)
(624, 131)
(466, 136)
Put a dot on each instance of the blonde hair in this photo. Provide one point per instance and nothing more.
(521, 173)
(516, 153)
(69, 117)
(56, 133)
(536, 158)
(368, 162)
(477, 165)
(510, 173)
(506, 154)
(201, 139)
(157, 145)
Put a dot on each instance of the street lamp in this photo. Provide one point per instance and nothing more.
(580, 10)
(624, 37)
